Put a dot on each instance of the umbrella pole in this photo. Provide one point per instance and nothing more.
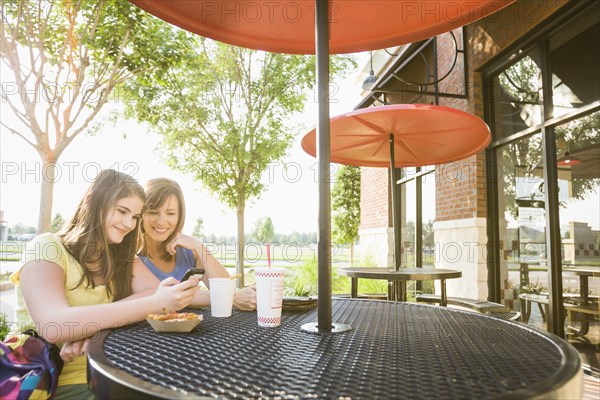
(395, 205)
(324, 323)
(398, 290)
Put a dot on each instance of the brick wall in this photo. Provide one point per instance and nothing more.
(458, 193)
(460, 189)
(375, 198)
(487, 37)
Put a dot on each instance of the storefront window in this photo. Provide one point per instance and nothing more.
(428, 217)
(417, 190)
(565, 115)
(575, 64)
(521, 210)
(578, 164)
(409, 218)
(517, 94)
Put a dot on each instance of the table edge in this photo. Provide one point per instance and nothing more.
(428, 274)
(97, 363)
(571, 372)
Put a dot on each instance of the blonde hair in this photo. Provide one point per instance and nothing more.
(157, 192)
(85, 238)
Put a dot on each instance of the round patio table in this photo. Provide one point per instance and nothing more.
(394, 350)
(397, 279)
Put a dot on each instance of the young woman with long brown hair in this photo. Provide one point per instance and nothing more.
(82, 279)
(167, 252)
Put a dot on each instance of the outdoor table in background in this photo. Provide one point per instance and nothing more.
(584, 274)
(586, 305)
(394, 350)
(397, 279)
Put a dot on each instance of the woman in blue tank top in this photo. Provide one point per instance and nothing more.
(166, 252)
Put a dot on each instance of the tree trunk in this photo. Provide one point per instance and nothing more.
(239, 259)
(48, 177)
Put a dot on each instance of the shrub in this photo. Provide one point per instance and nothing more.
(4, 328)
(303, 280)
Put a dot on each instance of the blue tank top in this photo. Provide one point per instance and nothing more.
(184, 260)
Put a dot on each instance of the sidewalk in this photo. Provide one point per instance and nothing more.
(8, 297)
(8, 302)
(9, 266)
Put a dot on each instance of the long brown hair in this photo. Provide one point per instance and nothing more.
(84, 235)
(157, 192)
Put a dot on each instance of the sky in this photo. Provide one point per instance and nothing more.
(290, 200)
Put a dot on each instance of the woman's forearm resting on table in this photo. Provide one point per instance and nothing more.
(44, 293)
(245, 299)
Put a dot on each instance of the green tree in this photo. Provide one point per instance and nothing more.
(67, 58)
(264, 231)
(197, 233)
(19, 229)
(224, 116)
(345, 198)
(428, 234)
(57, 223)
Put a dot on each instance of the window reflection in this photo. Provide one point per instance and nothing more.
(521, 209)
(575, 71)
(578, 207)
(517, 94)
(566, 113)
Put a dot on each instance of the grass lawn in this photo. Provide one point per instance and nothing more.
(281, 253)
(11, 251)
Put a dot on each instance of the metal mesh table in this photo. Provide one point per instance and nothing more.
(394, 350)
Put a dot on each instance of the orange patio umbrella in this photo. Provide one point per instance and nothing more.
(289, 26)
(321, 27)
(402, 135)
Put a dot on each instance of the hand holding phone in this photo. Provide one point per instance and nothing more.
(191, 272)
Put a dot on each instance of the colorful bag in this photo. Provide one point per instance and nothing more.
(29, 367)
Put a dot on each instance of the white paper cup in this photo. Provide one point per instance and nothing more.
(269, 295)
(221, 296)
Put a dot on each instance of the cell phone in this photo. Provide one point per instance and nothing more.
(192, 271)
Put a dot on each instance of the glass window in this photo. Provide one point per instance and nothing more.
(428, 217)
(578, 163)
(521, 209)
(576, 63)
(516, 105)
(517, 96)
(409, 218)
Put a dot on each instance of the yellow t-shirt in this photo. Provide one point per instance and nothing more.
(48, 247)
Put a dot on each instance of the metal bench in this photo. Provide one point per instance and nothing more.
(508, 315)
(592, 309)
(572, 304)
(482, 306)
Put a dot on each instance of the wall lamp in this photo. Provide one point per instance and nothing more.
(371, 79)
